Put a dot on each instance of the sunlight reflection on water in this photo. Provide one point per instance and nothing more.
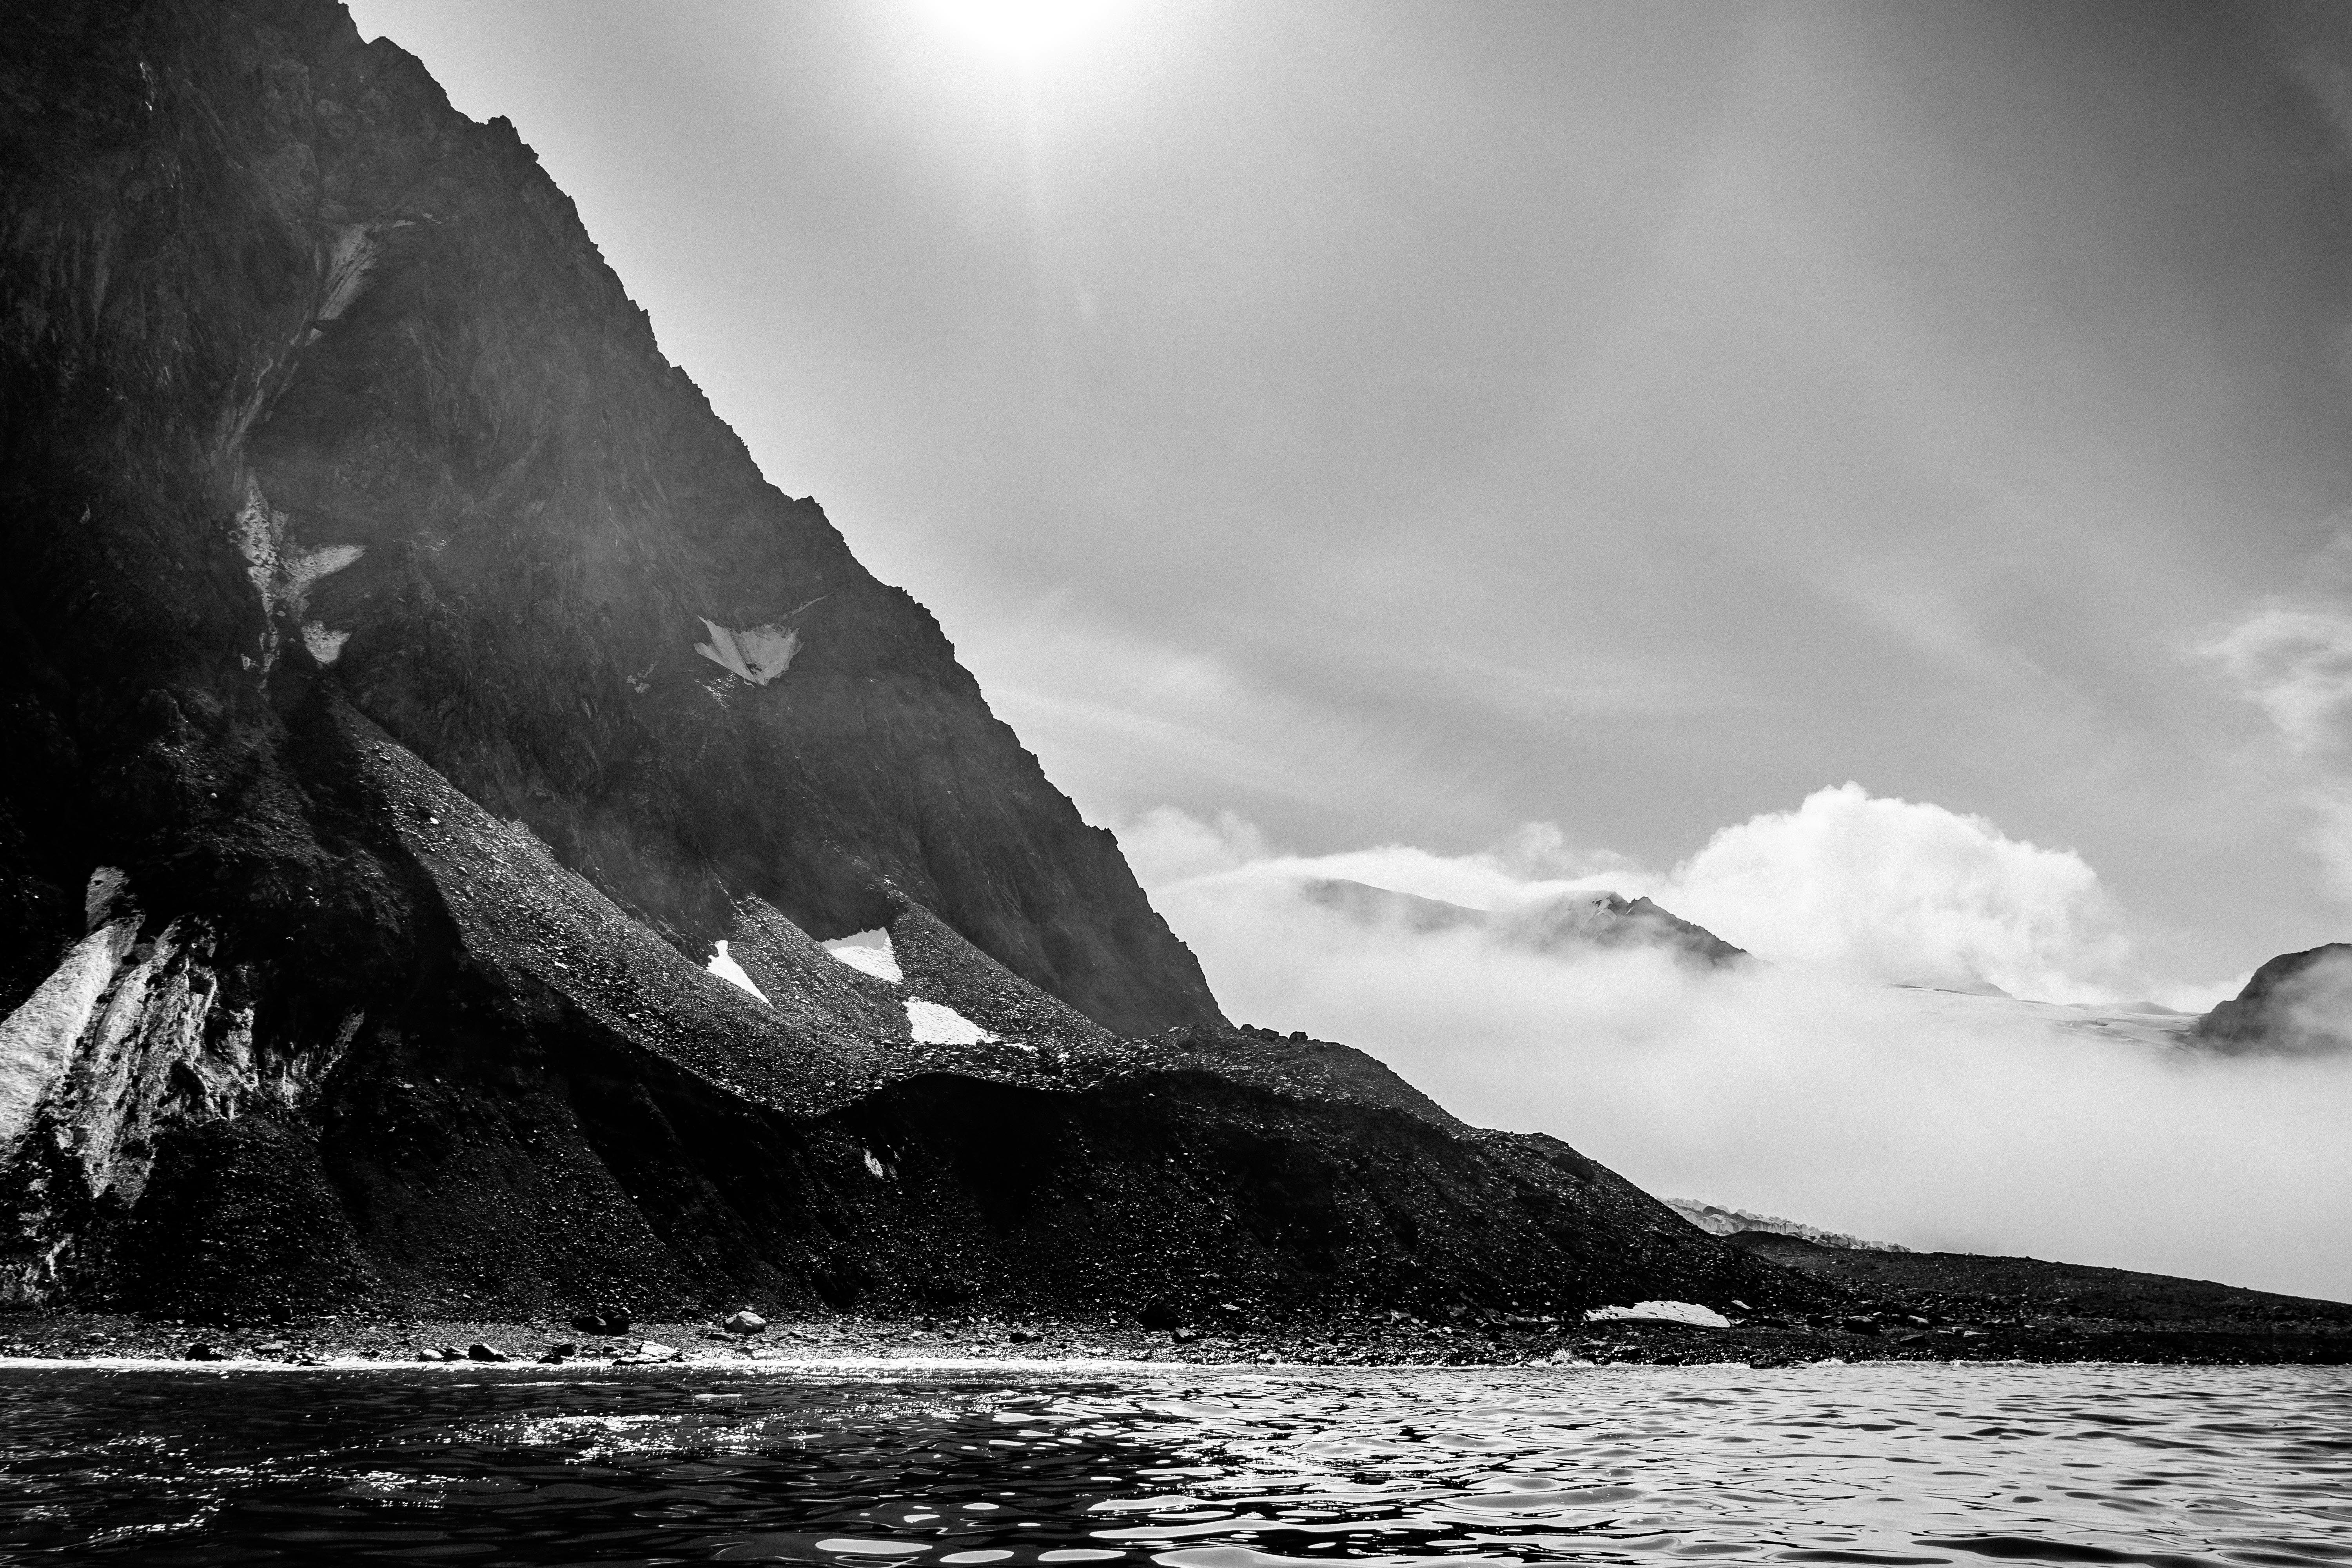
(1185, 1468)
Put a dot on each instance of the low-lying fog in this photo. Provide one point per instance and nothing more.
(1817, 1086)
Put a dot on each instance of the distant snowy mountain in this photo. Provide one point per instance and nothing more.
(1571, 923)
(1719, 1221)
(2141, 1023)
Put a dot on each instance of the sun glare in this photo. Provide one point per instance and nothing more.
(1026, 34)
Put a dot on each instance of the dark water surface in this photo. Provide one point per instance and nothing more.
(1188, 1467)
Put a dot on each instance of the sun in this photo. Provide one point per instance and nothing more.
(1027, 34)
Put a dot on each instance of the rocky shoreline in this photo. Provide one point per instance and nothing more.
(78, 1338)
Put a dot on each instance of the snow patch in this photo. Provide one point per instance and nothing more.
(1689, 1312)
(868, 952)
(348, 260)
(325, 646)
(723, 966)
(37, 1041)
(759, 654)
(936, 1024)
(283, 573)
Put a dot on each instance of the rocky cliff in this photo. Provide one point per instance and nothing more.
(409, 681)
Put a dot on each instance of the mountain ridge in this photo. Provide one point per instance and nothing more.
(409, 681)
(1574, 923)
(414, 680)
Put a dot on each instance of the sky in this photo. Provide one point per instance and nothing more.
(1875, 473)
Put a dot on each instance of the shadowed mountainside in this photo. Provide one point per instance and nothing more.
(409, 679)
(267, 291)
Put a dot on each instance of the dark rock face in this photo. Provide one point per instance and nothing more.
(341, 382)
(2299, 1003)
(407, 680)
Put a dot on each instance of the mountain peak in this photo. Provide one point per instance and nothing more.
(2298, 1004)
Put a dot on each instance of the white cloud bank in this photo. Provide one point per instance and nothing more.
(1891, 890)
(1900, 890)
(1802, 1088)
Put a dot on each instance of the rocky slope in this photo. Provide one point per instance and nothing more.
(409, 681)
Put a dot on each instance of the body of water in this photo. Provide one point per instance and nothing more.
(1184, 1467)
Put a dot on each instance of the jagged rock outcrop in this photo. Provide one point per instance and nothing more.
(2299, 1003)
(1562, 927)
(408, 681)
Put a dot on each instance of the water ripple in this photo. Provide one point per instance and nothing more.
(1187, 1467)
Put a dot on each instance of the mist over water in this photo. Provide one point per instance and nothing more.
(1806, 1087)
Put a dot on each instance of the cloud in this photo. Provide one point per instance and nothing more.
(2295, 663)
(1880, 890)
(2291, 655)
(1125, 715)
(1596, 682)
(1903, 891)
(1957, 1122)
(1166, 846)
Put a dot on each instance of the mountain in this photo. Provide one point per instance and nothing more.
(410, 682)
(1559, 927)
(2299, 1003)
(290, 293)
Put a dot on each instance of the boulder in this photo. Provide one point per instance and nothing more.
(201, 1350)
(746, 1321)
(480, 1351)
